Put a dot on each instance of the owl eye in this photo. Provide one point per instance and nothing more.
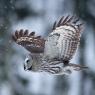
(28, 64)
(27, 61)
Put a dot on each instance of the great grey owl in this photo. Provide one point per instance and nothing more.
(52, 54)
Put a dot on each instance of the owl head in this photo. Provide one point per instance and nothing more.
(33, 62)
(28, 63)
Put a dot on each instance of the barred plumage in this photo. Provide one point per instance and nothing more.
(64, 38)
(52, 54)
(34, 44)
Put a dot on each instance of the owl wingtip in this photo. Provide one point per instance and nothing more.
(70, 21)
(14, 38)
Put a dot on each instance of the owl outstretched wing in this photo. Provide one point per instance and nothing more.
(63, 41)
(34, 44)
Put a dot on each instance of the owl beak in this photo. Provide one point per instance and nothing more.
(30, 68)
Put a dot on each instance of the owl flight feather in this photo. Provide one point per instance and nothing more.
(53, 54)
(34, 44)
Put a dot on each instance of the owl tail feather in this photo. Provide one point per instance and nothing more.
(78, 67)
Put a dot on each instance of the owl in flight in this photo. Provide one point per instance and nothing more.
(52, 54)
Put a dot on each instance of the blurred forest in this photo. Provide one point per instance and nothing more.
(38, 16)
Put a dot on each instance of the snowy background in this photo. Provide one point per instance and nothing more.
(39, 16)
